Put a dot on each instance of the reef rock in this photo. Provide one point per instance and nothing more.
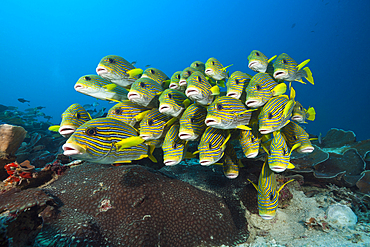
(11, 138)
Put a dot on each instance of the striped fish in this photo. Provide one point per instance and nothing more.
(185, 74)
(105, 141)
(300, 114)
(153, 125)
(295, 134)
(267, 193)
(228, 113)
(215, 69)
(145, 92)
(192, 123)
(100, 88)
(174, 149)
(173, 102)
(198, 65)
(231, 162)
(285, 68)
(276, 113)
(174, 84)
(117, 70)
(199, 89)
(155, 74)
(236, 84)
(127, 112)
(261, 88)
(279, 155)
(212, 145)
(257, 61)
(250, 140)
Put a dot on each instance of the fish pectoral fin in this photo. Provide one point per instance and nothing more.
(224, 68)
(290, 166)
(186, 103)
(301, 81)
(129, 142)
(54, 128)
(134, 72)
(189, 155)
(272, 58)
(110, 87)
(215, 90)
(243, 127)
(281, 187)
(254, 185)
(279, 89)
(301, 65)
(308, 76)
(171, 121)
(196, 152)
(295, 146)
(141, 115)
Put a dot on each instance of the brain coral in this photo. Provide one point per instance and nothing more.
(133, 206)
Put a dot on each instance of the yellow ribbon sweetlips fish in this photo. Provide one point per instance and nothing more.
(154, 125)
(192, 123)
(106, 141)
(300, 114)
(236, 84)
(145, 92)
(216, 70)
(157, 75)
(200, 90)
(250, 140)
(100, 88)
(285, 68)
(295, 134)
(174, 83)
(128, 112)
(117, 70)
(173, 102)
(257, 61)
(198, 65)
(185, 74)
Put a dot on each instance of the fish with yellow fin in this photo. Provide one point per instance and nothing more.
(200, 90)
(128, 112)
(293, 134)
(174, 83)
(192, 123)
(154, 125)
(216, 70)
(287, 69)
(106, 141)
(300, 114)
(145, 92)
(185, 74)
(173, 102)
(259, 62)
(198, 65)
(155, 74)
(236, 84)
(118, 70)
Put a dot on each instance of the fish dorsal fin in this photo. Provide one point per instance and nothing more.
(279, 89)
(224, 68)
(309, 75)
(226, 140)
(89, 115)
(171, 121)
(215, 90)
(243, 127)
(129, 142)
(249, 110)
(134, 72)
(281, 187)
(272, 58)
(186, 103)
(54, 128)
(141, 115)
(311, 114)
(196, 152)
(254, 185)
(301, 65)
(295, 146)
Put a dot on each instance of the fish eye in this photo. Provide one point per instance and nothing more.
(257, 54)
(192, 120)
(196, 65)
(170, 96)
(87, 78)
(219, 107)
(111, 60)
(210, 145)
(199, 78)
(177, 76)
(118, 111)
(152, 71)
(150, 122)
(78, 115)
(270, 115)
(271, 197)
(237, 81)
(284, 61)
(252, 139)
(258, 87)
(300, 108)
(90, 131)
(295, 137)
(213, 62)
(174, 145)
(142, 84)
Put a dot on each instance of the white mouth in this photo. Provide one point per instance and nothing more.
(182, 82)
(306, 150)
(232, 175)
(133, 96)
(174, 86)
(234, 95)
(208, 71)
(78, 87)
(252, 64)
(192, 92)
(71, 149)
(186, 136)
(266, 217)
(297, 118)
(66, 130)
(253, 103)
(101, 70)
(164, 108)
(264, 131)
(212, 121)
(205, 162)
(170, 162)
(146, 137)
(280, 74)
(252, 155)
(277, 169)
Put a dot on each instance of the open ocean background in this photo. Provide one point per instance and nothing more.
(46, 46)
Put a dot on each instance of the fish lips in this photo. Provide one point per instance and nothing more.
(267, 216)
(101, 70)
(234, 94)
(303, 150)
(192, 92)
(67, 130)
(280, 74)
(209, 72)
(182, 82)
(253, 103)
(257, 66)
(297, 118)
(174, 86)
(212, 122)
(183, 135)
(265, 131)
(71, 149)
(277, 169)
(171, 162)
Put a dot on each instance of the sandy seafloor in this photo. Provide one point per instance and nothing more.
(288, 227)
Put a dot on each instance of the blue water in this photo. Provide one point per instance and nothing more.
(46, 46)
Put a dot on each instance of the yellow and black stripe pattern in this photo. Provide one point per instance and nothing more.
(173, 98)
(250, 143)
(126, 111)
(271, 117)
(192, 120)
(260, 87)
(237, 82)
(153, 124)
(146, 87)
(212, 145)
(75, 115)
(99, 83)
(294, 134)
(218, 69)
(279, 156)
(173, 147)
(285, 63)
(155, 74)
(117, 64)
(198, 65)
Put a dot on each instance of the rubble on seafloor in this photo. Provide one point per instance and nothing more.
(78, 202)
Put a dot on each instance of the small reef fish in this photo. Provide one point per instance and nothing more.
(145, 92)
(293, 134)
(185, 74)
(257, 61)
(72, 118)
(153, 125)
(198, 65)
(250, 140)
(174, 149)
(300, 114)
(200, 90)
(230, 162)
(22, 100)
(267, 192)
(117, 70)
(261, 88)
(228, 113)
(285, 68)
(215, 69)
(128, 112)
(192, 123)
(278, 154)
(174, 84)
(106, 141)
(212, 145)
(237, 83)
(100, 88)
(173, 102)
(155, 74)
(276, 113)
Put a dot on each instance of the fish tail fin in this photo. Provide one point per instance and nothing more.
(54, 128)
(272, 58)
(215, 90)
(311, 114)
(309, 75)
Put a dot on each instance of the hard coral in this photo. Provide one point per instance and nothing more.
(133, 206)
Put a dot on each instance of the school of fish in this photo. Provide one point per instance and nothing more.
(153, 110)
